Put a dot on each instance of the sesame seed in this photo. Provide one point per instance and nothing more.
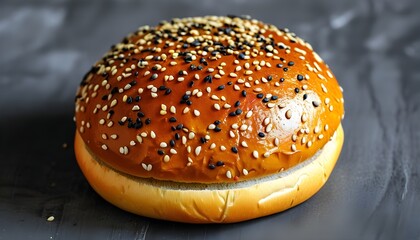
(245, 172)
(166, 158)
(244, 144)
(255, 154)
(196, 113)
(315, 103)
(248, 114)
(228, 174)
(234, 149)
(293, 147)
(309, 144)
(276, 142)
(197, 150)
(104, 147)
(288, 114)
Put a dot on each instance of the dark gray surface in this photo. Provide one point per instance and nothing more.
(373, 48)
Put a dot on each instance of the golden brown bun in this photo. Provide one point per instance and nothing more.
(164, 86)
(194, 204)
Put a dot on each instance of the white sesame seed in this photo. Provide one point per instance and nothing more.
(50, 218)
(132, 143)
(149, 167)
(255, 154)
(293, 147)
(104, 147)
(196, 113)
(114, 136)
(222, 148)
(197, 150)
(186, 109)
(288, 114)
(245, 172)
(139, 139)
(231, 134)
(228, 174)
(163, 145)
(266, 154)
(191, 135)
(135, 108)
(104, 136)
(271, 105)
(235, 126)
(216, 106)
(153, 134)
(211, 126)
(248, 114)
(309, 144)
(173, 151)
(320, 136)
(102, 121)
(266, 121)
(243, 127)
(213, 146)
(122, 150)
(244, 144)
(269, 128)
(294, 137)
(276, 142)
(144, 166)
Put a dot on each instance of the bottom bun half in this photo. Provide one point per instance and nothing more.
(210, 203)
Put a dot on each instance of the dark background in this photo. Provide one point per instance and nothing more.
(373, 47)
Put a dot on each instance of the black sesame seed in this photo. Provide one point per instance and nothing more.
(237, 103)
(168, 91)
(129, 100)
(305, 96)
(261, 134)
(221, 87)
(140, 114)
(208, 78)
(137, 98)
(185, 97)
(161, 88)
(217, 129)
(179, 126)
(290, 63)
(285, 69)
(192, 67)
(296, 90)
(279, 65)
(188, 59)
(136, 73)
(121, 123)
(177, 136)
(299, 77)
(220, 163)
(173, 128)
(188, 102)
(269, 78)
(232, 114)
(212, 166)
(234, 149)
(190, 84)
(217, 122)
(281, 79)
(160, 152)
(243, 93)
(138, 125)
(238, 111)
(265, 100)
(203, 140)
(260, 95)
(201, 67)
(241, 56)
(172, 119)
(274, 97)
(148, 121)
(111, 112)
(114, 90)
(172, 143)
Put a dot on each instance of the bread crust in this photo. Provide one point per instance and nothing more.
(208, 100)
(231, 204)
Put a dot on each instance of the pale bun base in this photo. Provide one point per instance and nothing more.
(205, 204)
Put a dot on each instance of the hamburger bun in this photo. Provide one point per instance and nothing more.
(208, 120)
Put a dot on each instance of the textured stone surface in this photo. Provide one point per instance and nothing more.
(373, 47)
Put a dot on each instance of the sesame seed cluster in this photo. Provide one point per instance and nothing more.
(208, 100)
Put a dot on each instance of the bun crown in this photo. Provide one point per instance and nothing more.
(208, 100)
